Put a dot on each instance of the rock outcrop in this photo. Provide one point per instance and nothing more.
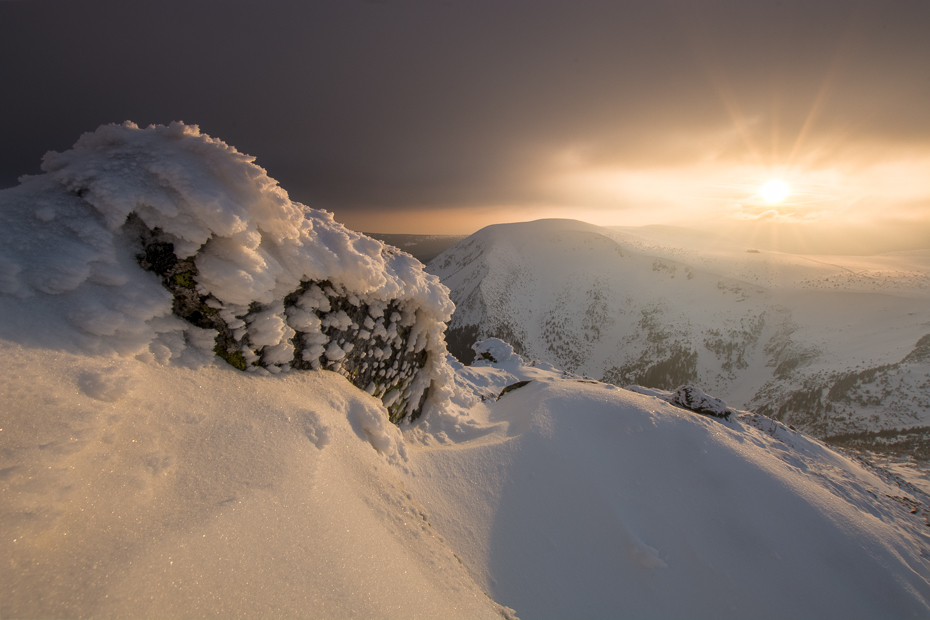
(265, 283)
(373, 343)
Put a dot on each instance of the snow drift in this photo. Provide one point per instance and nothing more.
(264, 281)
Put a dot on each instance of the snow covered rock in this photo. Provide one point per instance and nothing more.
(264, 282)
(496, 351)
(694, 399)
(689, 397)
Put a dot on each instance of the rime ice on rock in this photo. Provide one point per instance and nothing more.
(265, 282)
(691, 398)
(694, 399)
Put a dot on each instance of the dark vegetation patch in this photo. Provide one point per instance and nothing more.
(914, 442)
(459, 341)
(678, 368)
(733, 347)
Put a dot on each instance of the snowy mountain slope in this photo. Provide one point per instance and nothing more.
(133, 489)
(143, 476)
(757, 328)
(593, 501)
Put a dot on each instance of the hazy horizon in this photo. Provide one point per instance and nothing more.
(787, 238)
(407, 116)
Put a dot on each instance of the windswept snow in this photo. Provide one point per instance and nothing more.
(142, 477)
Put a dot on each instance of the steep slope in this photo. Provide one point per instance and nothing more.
(768, 331)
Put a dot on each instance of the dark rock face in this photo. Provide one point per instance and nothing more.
(179, 276)
(372, 343)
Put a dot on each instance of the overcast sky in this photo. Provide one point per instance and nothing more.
(443, 116)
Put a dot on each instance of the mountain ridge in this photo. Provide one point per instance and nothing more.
(764, 330)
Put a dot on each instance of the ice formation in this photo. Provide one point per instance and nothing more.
(265, 282)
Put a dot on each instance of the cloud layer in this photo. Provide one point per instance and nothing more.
(409, 112)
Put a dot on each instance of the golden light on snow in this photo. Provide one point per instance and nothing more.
(775, 191)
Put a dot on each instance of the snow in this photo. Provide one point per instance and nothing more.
(591, 501)
(670, 307)
(140, 476)
(137, 490)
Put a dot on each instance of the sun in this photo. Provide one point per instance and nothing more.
(775, 191)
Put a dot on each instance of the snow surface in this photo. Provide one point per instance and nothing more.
(189, 493)
(137, 490)
(135, 485)
(592, 501)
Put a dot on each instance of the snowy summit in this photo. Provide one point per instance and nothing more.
(217, 401)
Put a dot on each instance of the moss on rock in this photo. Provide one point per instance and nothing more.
(374, 340)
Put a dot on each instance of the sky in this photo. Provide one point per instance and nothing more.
(441, 117)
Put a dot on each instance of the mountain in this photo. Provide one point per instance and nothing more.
(146, 473)
(836, 346)
(424, 248)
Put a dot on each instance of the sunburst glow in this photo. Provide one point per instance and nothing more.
(775, 191)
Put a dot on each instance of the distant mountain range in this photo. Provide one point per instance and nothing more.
(837, 346)
(424, 248)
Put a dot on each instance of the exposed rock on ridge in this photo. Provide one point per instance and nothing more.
(265, 283)
(370, 342)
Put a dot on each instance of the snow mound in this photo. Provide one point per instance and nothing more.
(593, 501)
(265, 282)
(497, 352)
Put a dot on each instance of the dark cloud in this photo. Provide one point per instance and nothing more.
(384, 105)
